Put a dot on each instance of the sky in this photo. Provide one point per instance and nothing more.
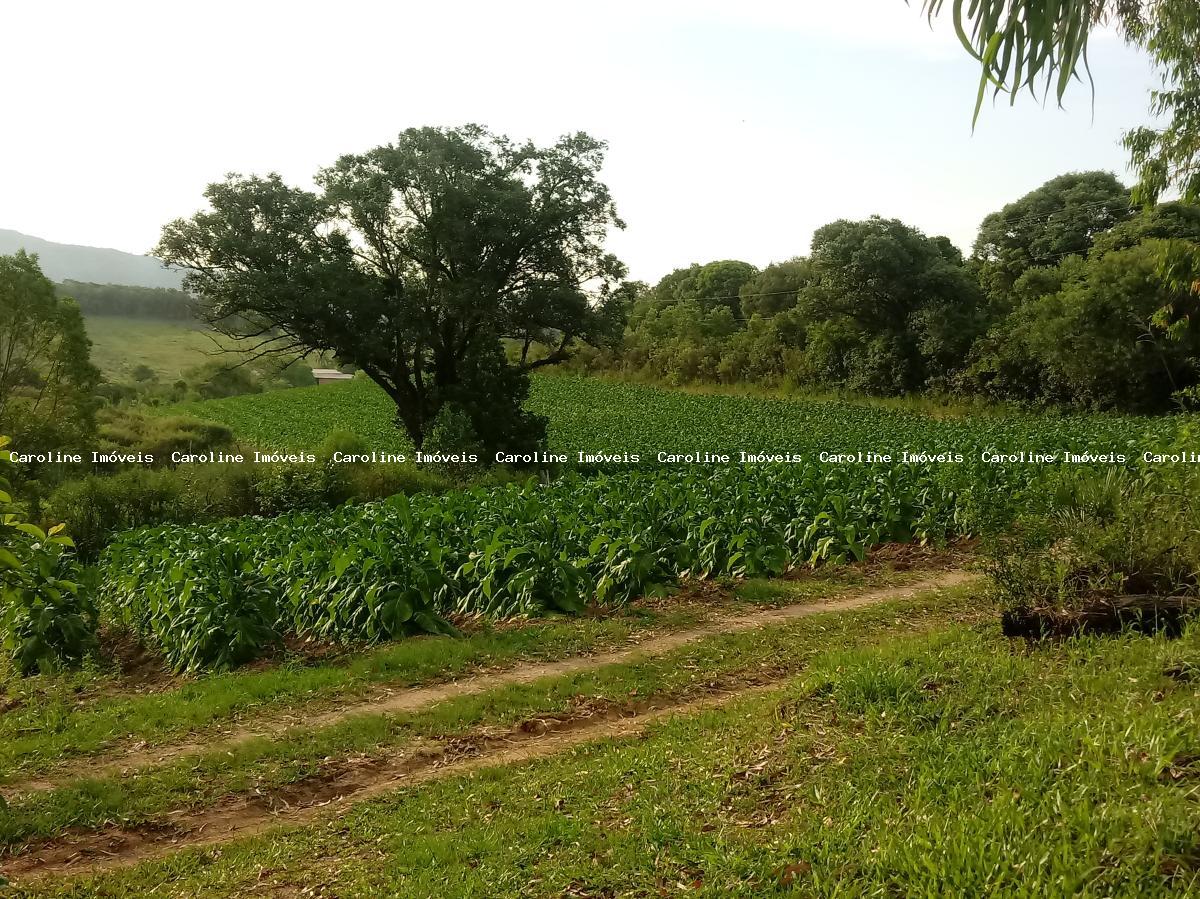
(734, 129)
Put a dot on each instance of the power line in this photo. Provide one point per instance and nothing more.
(1038, 216)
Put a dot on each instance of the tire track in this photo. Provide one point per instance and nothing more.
(133, 760)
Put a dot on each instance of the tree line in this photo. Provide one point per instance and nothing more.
(451, 264)
(128, 300)
(1065, 300)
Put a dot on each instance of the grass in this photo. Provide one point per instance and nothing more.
(120, 344)
(50, 720)
(893, 763)
(52, 724)
(269, 763)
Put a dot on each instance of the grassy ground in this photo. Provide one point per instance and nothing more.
(904, 749)
(49, 721)
(312, 754)
(120, 344)
(74, 717)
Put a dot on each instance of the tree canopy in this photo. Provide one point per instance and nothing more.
(1072, 298)
(887, 305)
(1166, 221)
(774, 289)
(123, 299)
(1058, 219)
(710, 285)
(418, 261)
(46, 376)
(1085, 334)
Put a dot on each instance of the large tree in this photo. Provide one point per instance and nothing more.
(774, 289)
(1085, 333)
(712, 285)
(1060, 218)
(1166, 221)
(419, 262)
(887, 308)
(47, 381)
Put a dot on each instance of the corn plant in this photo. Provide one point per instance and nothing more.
(216, 595)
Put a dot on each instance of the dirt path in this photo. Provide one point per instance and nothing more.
(135, 759)
(245, 816)
(353, 780)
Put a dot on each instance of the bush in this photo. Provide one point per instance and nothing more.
(301, 487)
(452, 433)
(492, 394)
(341, 442)
(134, 431)
(215, 380)
(47, 618)
(1096, 534)
(216, 491)
(99, 506)
(371, 482)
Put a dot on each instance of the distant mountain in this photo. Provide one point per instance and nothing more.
(67, 262)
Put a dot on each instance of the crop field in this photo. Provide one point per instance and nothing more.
(221, 594)
(590, 415)
(743, 679)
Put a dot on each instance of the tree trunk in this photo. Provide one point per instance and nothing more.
(1145, 613)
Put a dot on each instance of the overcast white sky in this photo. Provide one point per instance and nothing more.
(735, 129)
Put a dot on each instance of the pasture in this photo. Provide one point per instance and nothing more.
(121, 344)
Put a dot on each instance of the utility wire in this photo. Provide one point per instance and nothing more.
(1046, 216)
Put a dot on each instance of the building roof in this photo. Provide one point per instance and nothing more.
(331, 374)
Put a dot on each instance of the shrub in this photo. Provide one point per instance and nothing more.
(299, 487)
(341, 442)
(366, 481)
(369, 482)
(451, 434)
(216, 491)
(135, 431)
(1096, 534)
(47, 618)
(215, 380)
(98, 506)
